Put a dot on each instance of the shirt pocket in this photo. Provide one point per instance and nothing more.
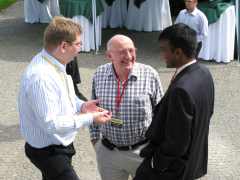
(142, 105)
(143, 112)
(142, 100)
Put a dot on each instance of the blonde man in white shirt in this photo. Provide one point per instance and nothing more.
(50, 113)
(195, 19)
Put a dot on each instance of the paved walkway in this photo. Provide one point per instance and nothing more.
(20, 41)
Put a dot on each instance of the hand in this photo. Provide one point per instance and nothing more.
(102, 117)
(90, 106)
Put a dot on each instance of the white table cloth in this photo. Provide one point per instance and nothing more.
(91, 40)
(89, 22)
(153, 15)
(219, 45)
(114, 16)
(36, 12)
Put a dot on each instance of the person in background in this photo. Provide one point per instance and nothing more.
(195, 19)
(130, 90)
(178, 134)
(73, 71)
(49, 111)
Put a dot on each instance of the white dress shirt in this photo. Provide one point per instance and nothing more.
(178, 70)
(48, 107)
(196, 20)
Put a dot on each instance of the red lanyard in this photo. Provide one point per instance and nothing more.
(119, 96)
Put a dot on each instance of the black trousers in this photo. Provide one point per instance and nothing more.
(72, 70)
(176, 7)
(199, 47)
(54, 162)
(146, 172)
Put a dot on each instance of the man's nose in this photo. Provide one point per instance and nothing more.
(128, 54)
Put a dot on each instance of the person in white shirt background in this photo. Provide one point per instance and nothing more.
(49, 111)
(195, 19)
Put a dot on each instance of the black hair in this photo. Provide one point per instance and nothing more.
(181, 36)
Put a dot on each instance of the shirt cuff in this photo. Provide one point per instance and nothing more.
(83, 120)
(79, 104)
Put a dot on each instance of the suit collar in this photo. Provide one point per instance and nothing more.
(189, 68)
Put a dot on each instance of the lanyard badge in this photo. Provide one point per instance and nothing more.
(117, 122)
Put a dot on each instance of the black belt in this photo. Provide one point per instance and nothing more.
(52, 149)
(111, 146)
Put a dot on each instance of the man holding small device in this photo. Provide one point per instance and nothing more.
(130, 91)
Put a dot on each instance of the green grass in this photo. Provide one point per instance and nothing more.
(5, 3)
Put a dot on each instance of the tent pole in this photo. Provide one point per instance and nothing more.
(94, 18)
(238, 28)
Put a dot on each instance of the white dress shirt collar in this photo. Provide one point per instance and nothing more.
(194, 12)
(178, 70)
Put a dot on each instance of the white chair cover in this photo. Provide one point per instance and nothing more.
(87, 36)
(153, 15)
(219, 45)
(115, 15)
(35, 12)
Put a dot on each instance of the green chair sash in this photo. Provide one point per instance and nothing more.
(70, 8)
(214, 8)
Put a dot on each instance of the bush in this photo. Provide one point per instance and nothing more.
(5, 3)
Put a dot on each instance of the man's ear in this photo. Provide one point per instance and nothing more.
(108, 55)
(63, 46)
(178, 52)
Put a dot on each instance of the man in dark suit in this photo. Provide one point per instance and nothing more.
(178, 147)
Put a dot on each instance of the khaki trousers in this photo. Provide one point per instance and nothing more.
(115, 164)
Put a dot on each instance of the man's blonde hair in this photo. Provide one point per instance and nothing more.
(60, 29)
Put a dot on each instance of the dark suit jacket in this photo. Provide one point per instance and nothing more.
(179, 131)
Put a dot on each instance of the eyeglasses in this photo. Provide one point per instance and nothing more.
(78, 44)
